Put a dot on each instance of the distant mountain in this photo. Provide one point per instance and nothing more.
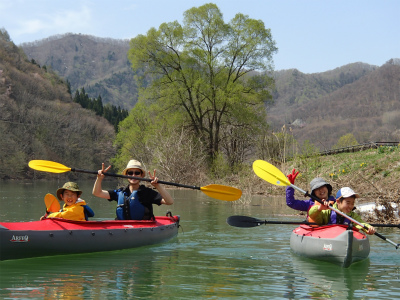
(39, 120)
(100, 65)
(369, 108)
(316, 106)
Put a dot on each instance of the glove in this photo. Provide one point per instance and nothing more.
(292, 176)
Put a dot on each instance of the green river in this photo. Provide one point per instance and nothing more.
(207, 260)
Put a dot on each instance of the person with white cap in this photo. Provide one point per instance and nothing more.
(135, 201)
(345, 201)
(319, 188)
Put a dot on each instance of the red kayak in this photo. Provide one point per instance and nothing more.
(60, 236)
(337, 244)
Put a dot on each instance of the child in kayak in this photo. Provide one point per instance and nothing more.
(319, 188)
(345, 200)
(74, 207)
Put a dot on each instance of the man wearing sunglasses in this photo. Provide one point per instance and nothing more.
(135, 201)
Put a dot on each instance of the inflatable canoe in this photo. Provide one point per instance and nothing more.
(60, 236)
(337, 244)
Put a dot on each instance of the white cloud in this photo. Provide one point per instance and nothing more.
(72, 20)
(30, 27)
(56, 22)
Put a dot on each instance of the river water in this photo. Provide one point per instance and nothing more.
(207, 260)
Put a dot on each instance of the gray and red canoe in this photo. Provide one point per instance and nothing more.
(60, 236)
(337, 244)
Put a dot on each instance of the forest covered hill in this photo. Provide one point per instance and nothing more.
(39, 120)
(357, 98)
(100, 65)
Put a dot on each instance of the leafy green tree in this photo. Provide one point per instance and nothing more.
(212, 73)
(346, 141)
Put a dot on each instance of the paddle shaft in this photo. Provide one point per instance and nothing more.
(344, 215)
(310, 223)
(288, 222)
(137, 178)
(245, 221)
(386, 225)
(216, 191)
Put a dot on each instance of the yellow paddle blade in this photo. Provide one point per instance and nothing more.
(48, 166)
(51, 202)
(270, 173)
(221, 192)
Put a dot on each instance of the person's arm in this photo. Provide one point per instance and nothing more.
(97, 189)
(370, 230)
(73, 212)
(319, 214)
(331, 200)
(166, 197)
(294, 203)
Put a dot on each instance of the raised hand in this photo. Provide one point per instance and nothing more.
(292, 176)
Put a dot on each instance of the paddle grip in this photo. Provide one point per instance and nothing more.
(315, 198)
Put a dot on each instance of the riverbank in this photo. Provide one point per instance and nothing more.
(373, 173)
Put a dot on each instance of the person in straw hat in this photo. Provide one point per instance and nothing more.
(74, 207)
(135, 201)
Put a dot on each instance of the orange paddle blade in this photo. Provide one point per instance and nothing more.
(52, 204)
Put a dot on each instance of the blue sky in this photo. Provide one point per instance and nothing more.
(312, 35)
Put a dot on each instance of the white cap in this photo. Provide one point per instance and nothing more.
(346, 192)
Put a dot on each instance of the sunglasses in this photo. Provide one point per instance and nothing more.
(130, 173)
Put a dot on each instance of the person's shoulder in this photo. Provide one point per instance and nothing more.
(124, 189)
(80, 202)
(147, 192)
(355, 215)
(144, 188)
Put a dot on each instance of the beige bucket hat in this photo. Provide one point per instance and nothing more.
(133, 164)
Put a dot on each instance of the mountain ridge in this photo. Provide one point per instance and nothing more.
(39, 120)
(100, 65)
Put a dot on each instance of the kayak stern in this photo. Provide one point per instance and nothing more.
(335, 243)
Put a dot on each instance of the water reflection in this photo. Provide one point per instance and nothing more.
(208, 258)
(325, 280)
(114, 275)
